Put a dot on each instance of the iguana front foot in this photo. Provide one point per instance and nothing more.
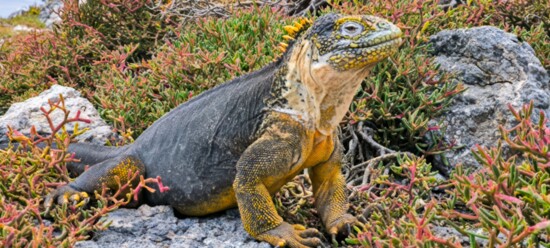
(66, 195)
(295, 236)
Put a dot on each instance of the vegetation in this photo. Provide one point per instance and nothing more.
(29, 172)
(136, 60)
(28, 18)
(504, 204)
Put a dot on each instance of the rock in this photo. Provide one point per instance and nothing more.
(49, 12)
(449, 4)
(158, 227)
(447, 233)
(21, 116)
(497, 69)
(23, 28)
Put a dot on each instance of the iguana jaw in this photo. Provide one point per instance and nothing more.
(326, 65)
(364, 55)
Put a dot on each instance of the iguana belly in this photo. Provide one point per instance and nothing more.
(217, 202)
(225, 199)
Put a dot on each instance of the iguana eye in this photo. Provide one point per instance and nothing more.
(351, 28)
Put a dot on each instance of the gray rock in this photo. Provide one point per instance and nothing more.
(448, 233)
(23, 28)
(449, 4)
(158, 227)
(21, 116)
(497, 69)
(49, 14)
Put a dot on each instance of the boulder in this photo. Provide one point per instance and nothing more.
(49, 14)
(158, 227)
(23, 28)
(497, 69)
(21, 116)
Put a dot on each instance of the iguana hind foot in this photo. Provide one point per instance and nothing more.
(93, 179)
(66, 195)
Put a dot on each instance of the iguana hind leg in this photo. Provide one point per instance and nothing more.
(92, 179)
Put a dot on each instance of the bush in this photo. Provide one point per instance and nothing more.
(117, 24)
(507, 198)
(135, 61)
(82, 46)
(207, 53)
(504, 204)
(33, 169)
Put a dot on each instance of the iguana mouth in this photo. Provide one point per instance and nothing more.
(366, 51)
(375, 46)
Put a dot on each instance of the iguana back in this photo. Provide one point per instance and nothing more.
(199, 143)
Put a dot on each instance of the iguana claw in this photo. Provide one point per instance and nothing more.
(295, 236)
(66, 195)
(341, 225)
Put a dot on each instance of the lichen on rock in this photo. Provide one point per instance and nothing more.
(497, 69)
(159, 227)
(23, 115)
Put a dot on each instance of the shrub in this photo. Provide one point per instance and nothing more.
(117, 24)
(504, 204)
(397, 206)
(136, 61)
(507, 198)
(207, 53)
(79, 48)
(33, 169)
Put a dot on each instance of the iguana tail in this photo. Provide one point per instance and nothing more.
(87, 153)
(91, 154)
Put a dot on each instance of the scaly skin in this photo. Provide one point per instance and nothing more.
(239, 143)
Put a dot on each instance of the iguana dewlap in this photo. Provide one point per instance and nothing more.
(239, 143)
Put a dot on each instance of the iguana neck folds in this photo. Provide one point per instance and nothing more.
(314, 93)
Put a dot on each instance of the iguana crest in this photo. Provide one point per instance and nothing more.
(294, 30)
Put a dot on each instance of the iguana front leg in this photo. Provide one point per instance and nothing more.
(329, 192)
(265, 165)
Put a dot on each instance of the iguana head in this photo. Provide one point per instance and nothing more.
(329, 59)
(348, 42)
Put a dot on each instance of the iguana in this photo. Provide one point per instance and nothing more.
(237, 144)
